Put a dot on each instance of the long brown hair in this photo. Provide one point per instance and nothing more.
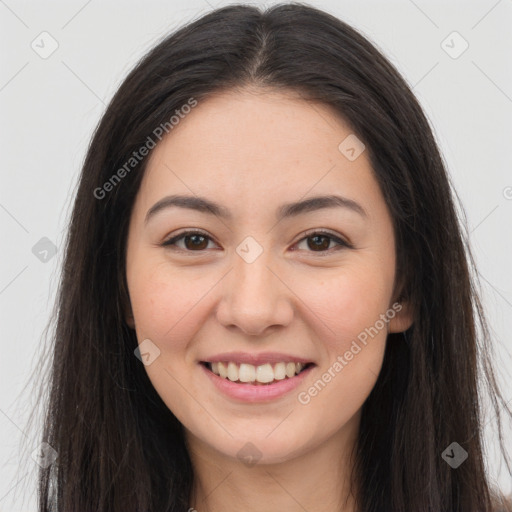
(120, 449)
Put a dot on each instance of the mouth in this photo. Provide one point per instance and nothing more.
(256, 375)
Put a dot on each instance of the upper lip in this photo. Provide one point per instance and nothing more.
(256, 359)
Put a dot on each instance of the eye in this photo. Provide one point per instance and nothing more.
(193, 240)
(317, 241)
(320, 241)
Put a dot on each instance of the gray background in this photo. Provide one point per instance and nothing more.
(49, 107)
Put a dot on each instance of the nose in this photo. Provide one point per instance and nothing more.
(255, 297)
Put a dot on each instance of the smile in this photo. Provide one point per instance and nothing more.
(263, 374)
(245, 382)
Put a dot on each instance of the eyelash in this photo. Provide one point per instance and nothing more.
(341, 243)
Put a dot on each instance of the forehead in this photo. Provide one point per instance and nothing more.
(255, 146)
(262, 120)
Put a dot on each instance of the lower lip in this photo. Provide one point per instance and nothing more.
(256, 393)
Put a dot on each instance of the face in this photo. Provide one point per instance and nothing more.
(258, 275)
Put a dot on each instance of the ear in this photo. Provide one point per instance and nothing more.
(128, 314)
(404, 315)
(130, 321)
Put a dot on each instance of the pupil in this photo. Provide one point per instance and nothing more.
(321, 246)
(195, 243)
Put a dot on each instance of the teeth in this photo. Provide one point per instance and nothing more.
(263, 374)
(232, 371)
(279, 371)
(290, 369)
(222, 370)
(247, 373)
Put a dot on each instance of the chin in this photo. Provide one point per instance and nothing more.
(261, 448)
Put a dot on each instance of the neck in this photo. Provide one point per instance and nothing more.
(315, 480)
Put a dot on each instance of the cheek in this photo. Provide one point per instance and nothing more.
(346, 315)
(167, 309)
(167, 305)
(345, 305)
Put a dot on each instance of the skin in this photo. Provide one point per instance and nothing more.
(252, 150)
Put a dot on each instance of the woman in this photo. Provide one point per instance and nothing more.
(266, 300)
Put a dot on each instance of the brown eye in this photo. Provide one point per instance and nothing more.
(320, 241)
(194, 241)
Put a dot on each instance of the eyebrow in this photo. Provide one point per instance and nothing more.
(204, 205)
